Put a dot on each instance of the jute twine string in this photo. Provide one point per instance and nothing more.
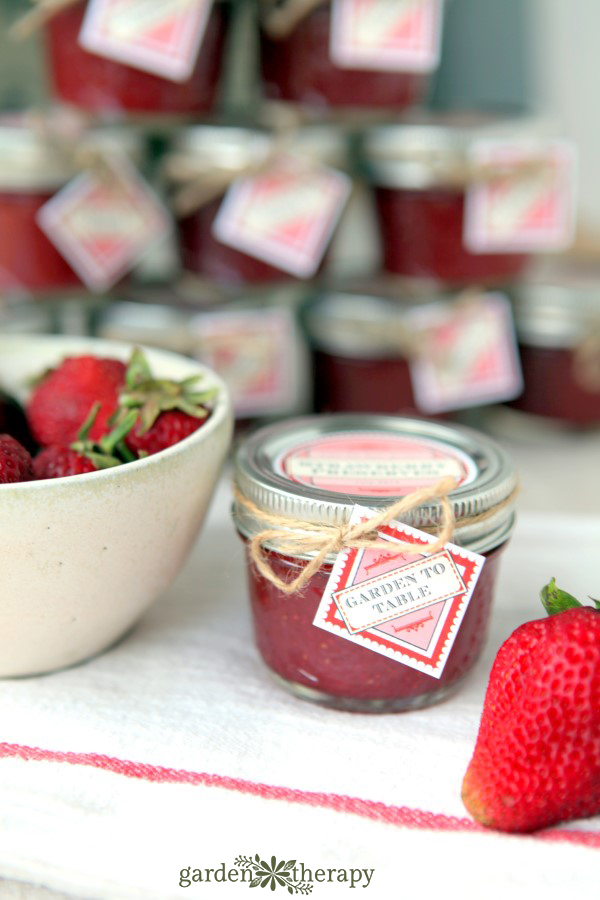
(37, 17)
(325, 540)
(67, 137)
(406, 339)
(460, 174)
(586, 362)
(199, 180)
(281, 18)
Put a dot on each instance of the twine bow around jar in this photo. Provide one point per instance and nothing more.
(293, 537)
(460, 173)
(198, 180)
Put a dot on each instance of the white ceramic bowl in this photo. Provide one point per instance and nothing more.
(83, 557)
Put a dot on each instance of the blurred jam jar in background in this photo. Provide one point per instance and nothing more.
(558, 329)
(300, 64)
(203, 164)
(106, 87)
(308, 474)
(361, 347)
(421, 171)
(32, 169)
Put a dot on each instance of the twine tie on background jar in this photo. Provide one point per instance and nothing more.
(199, 181)
(35, 18)
(280, 18)
(459, 173)
(325, 540)
(586, 361)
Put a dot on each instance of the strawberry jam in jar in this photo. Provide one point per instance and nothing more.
(204, 162)
(297, 66)
(558, 330)
(110, 88)
(361, 346)
(311, 472)
(421, 171)
(31, 171)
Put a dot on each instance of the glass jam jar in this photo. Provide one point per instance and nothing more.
(420, 173)
(361, 347)
(31, 171)
(297, 67)
(315, 470)
(558, 330)
(104, 86)
(219, 154)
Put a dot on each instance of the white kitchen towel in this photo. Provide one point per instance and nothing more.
(175, 749)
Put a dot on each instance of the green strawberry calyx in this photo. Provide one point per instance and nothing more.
(555, 600)
(110, 450)
(150, 396)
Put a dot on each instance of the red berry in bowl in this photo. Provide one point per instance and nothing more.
(15, 461)
(62, 400)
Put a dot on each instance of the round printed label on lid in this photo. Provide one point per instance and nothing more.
(371, 464)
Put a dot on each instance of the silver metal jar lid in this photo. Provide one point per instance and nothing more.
(432, 150)
(267, 467)
(237, 148)
(556, 314)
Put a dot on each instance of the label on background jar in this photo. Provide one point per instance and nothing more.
(529, 209)
(284, 216)
(255, 353)
(372, 464)
(408, 606)
(386, 35)
(103, 222)
(158, 36)
(468, 354)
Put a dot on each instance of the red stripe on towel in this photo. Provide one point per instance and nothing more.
(369, 809)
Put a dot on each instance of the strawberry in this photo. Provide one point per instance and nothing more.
(62, 400)
(167, 411)
(537, 757)
(84, 455)
(58, 461)
(15, 461)
(169, 428)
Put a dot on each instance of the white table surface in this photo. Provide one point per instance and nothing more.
(175, 748)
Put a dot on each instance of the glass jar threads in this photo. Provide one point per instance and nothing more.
(32, 169)
(421, 171)
(305, 475)
(558, 330)
(106, 87)
(297, 66)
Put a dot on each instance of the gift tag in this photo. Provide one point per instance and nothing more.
(529, 204)
(407, 606)
(158, 37)
(104, 222)
(390, 35)
(255, 352)
(284, 216)
(468, 355)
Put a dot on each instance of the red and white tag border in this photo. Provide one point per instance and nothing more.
(413, 59)
(175, 63)
(329, 618)
(228, 226)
